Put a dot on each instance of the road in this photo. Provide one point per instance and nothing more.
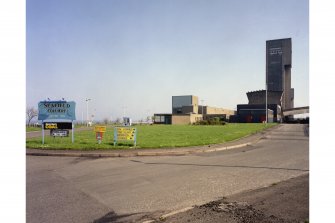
(67, 189)
(286, 201)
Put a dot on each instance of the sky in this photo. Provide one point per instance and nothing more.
(131, 56)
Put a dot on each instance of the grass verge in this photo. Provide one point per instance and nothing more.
(32, 129)
(154, 136)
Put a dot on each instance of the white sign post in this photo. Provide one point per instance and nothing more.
(48, 111)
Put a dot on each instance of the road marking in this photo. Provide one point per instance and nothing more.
(175, 212)
(169, 214)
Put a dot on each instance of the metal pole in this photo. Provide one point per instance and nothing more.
(135, 137)
(202, 109)
(266, 103)
(72, 133)
(115, 135)
(87, 99)
(42, 133)
(87, 112)
(124, 111)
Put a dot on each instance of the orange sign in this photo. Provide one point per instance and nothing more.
(100, 128)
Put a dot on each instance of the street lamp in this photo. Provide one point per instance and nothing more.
(202, 108)
(87, 100)
(266, 100)
(124, 111)
(266, 103)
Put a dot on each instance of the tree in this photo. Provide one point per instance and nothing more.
(105, 121)
(117, 121)
(31, 112)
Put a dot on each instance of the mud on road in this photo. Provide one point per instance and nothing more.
(286, 201)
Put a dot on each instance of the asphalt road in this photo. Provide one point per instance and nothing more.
(287, 201)
(66, 189)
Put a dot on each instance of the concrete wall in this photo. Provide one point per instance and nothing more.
(207, 110)
(185, 119)
(195, 100)
(292, 98)
(288, 95)
(258, 97)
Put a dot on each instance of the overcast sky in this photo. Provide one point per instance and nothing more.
(132, 56)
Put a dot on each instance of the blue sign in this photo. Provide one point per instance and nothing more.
(56, 110)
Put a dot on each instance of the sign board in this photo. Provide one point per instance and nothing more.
(124, 134)
(99, 132)
(50, 126)
(100, 128)
(57, 125)
(56, 110)
(59, 133)
(52, 114)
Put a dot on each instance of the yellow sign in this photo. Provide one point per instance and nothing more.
(100, 128)
(51, 126)
(126, 133)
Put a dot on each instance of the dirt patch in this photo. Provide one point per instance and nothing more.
(286, 201)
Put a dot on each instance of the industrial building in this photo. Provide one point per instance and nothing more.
(256, 113)
(186, 104)
(214, 112)
(273, 102)
(186, 110)
(278, 69)
(162, 119)
(278, 94)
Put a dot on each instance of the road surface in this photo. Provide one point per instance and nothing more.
(67, 189)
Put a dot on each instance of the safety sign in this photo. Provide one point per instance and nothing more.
(125, 134)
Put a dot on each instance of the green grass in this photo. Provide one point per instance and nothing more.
(154, 136)
(31, 128)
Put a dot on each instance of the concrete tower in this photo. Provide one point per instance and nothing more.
(278, 69)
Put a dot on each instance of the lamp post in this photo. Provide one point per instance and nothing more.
(266, 103)
(202, 108)
(124, 110)
(266, 100)
(87, 100)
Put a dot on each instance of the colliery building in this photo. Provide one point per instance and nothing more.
(278, 69)
(186, 110)
(279, 94)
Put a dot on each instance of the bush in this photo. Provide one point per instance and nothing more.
(211, 121)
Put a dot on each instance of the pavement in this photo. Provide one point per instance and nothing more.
(242, 142)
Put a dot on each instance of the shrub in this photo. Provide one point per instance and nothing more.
(211, 121)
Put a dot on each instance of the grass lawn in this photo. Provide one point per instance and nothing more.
(154, 136)
(32, 128)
